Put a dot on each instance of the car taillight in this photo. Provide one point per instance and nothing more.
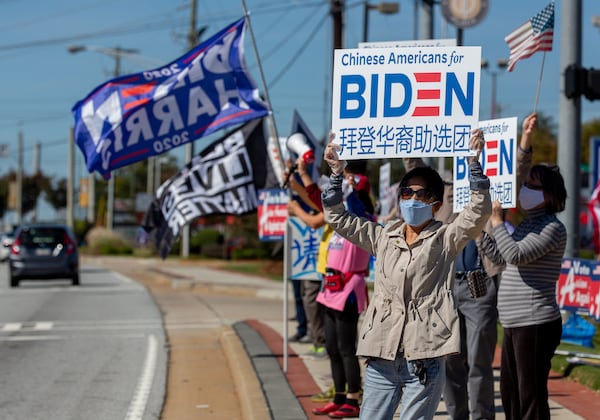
(69, 245)
(15, 248)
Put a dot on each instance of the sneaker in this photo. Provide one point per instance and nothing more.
(330, 407)
(305, 339)
(346, 410)
(324, 396)
(318, 352)
(296, 338)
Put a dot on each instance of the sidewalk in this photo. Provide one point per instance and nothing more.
(287, 395)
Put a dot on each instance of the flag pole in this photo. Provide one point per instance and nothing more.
(275, 135)
(537, 95)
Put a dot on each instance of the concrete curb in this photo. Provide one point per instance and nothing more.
(281, 400)
(247, 386)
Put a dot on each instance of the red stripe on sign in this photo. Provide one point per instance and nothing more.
(129, 155)
(428, 94)
(492, 158)
(428, 77)
(426, 111)
(492, 144)
(203, 129)
(138, 90)
(491, 172)
(133, 104)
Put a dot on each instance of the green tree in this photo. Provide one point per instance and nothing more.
(588, 130)
(56, 193)
(545, 140)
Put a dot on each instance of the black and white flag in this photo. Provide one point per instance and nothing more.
(223, 179)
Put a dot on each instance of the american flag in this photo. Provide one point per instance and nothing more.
(534, 35)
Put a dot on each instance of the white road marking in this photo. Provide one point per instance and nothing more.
(12, 326)
(32, 338)
(43, 326)
(142, 393)
(39, 337)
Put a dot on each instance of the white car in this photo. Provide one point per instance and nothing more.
(6, 241)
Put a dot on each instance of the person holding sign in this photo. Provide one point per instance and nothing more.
(469, 388)
(527, 305)
(411, 323)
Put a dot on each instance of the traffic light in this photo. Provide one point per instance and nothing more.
(581, 81)
(593, 84)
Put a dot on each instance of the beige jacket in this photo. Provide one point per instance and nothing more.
(413, 305)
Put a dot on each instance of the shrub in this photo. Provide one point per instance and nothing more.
(201, 238)
(101, 241)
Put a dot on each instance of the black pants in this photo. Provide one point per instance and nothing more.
(524, 370)
(340, 341)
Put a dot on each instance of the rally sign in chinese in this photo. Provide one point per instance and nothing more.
(578, 287)
(303, 246)
(499, 163)
(405, 102)
(272, 214)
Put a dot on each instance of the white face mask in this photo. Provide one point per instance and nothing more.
(529, 198)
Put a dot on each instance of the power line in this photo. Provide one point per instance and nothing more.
(295, 57)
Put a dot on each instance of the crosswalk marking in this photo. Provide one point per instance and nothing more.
(12, 326)
(43, 326)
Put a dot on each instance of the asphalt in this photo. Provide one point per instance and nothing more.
(288, 379)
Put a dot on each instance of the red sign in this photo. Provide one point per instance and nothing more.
(272, 214)
(578, 286)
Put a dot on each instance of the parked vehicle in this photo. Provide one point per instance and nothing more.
(6, 241)
(43, 252)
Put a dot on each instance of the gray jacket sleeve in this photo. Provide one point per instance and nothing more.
(360, 231)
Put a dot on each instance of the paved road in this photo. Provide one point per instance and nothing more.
(90, 352)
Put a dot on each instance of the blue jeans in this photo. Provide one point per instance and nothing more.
(302, 328)
(391, 382)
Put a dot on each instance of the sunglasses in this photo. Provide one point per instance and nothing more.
(407, 192)
(532, 186)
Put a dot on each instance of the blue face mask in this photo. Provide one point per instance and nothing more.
(415, 212)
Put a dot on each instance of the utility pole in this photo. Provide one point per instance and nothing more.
(116, 53)
(569, 127)
(71, 180)
(189, 147)
(426, 20)
(37, 151)
(337, 14)
(19, 192)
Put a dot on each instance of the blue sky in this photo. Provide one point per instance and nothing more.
(41, 80)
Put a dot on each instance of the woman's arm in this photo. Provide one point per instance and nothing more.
(314, 221)
(472, 219)
(524, 151)
(532, 246)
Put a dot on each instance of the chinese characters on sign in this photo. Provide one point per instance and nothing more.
(304, 247)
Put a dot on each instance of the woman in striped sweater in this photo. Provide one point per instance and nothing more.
(527, 305)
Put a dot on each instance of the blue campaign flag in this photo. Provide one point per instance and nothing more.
(133, 117)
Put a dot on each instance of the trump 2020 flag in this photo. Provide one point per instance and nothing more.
(223, 179)
(534, 35)
(133, 117)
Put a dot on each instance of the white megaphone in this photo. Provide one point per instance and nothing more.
(298, 144)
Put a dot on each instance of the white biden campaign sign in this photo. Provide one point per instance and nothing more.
(405, 102)
(499, 163)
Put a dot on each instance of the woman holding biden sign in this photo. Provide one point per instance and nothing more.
(527, 305)
(411, 323)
